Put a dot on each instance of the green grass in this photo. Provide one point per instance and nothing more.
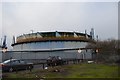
(70, 71)
(94, 71)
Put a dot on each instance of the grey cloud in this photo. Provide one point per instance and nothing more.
(19, 18)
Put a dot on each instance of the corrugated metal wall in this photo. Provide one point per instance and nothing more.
(50, 45)
(69, 54)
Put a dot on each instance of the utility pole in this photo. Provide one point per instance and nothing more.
(1, 42)
(4, 47)
(4, 43)
(97, 38)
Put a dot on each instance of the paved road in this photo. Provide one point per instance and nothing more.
(39, 66)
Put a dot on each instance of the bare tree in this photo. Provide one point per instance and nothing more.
(108, 50)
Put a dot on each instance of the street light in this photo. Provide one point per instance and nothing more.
(79, 51)
(96, 50)
(97, 55)
(4, 50)
(31, 31)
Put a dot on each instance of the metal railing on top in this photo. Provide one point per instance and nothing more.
(25, 40)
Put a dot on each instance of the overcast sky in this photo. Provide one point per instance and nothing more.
(21, 17)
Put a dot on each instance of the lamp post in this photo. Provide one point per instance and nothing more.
(79, 51)
(4, 50)
(31, 31)
(96, 55)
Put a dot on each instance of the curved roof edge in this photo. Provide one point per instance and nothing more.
(87, 40)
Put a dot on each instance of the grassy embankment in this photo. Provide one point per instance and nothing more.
(70, 71)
